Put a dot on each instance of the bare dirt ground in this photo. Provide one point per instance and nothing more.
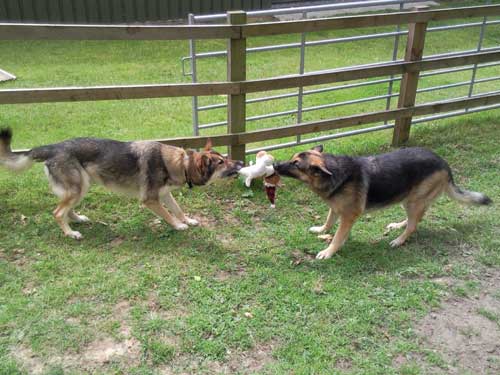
(94, 356)
(244, 362)
(465, 331)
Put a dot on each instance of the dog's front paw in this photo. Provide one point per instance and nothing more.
(192, 222)
(319, 229)
(397, 242)
(181, 226)
(325, 254)
(74, 234)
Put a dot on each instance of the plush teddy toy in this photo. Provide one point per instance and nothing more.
(263, 167)
(271, 183)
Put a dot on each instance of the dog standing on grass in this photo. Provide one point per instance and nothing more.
(350, 186)
(147, 170)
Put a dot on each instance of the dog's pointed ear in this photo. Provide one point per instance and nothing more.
(206, 160)
(318, 148)
(319, 168)
(208, 145)
(325, 170)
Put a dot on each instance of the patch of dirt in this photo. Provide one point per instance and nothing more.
(343, 364)
(206, 221)
(121, 312)
(466, 339)
(16, 256)
(418, 358)
(241, 362)
(117, 241)
(298, 257)
(28, 360)
(29, 288)
(94, 355)
(224, 275)
(226, 239)
(102, 351)
(156, 309)
(247, 362)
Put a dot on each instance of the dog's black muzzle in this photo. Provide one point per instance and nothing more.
(284, 168)
(237, 165)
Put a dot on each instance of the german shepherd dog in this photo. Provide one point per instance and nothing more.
(350, 186)
(147, 170)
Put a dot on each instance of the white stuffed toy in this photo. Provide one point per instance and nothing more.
(263, 167)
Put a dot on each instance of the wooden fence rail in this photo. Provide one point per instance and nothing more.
(16, 31)
(237, 86)
(334, 124)
(70, 94)
(36, 31)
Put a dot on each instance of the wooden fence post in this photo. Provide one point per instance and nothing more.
(236, 71)
(409, 83)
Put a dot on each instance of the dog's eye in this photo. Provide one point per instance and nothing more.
(221, 161)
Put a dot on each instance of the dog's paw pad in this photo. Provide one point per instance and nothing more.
(75, 235)
(325, 254)
(181, 226)
(319, 229)
(192, 222)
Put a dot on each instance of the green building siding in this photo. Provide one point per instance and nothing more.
(116, 11)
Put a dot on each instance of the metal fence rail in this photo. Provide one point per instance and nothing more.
(303, 44)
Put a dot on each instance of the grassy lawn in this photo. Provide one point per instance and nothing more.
(242, 293)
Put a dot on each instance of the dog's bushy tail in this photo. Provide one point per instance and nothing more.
(467, 197)
(13, 162)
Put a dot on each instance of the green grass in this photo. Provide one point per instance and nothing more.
(245, 281)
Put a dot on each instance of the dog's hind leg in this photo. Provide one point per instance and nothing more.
(346, 223)
(61, 214)
(415, 211)
(85, 186)
(77, 218)
(173, 206)
(330, 220)
(399, 225)
(419, 201)
(70, 183)
(157, 208)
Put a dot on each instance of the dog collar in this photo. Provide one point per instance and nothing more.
(186, 166)
(188, 181)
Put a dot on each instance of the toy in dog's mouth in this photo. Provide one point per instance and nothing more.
(233, 170)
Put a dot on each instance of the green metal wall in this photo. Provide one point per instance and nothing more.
(116, 11)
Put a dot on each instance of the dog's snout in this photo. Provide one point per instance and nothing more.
(280, 166)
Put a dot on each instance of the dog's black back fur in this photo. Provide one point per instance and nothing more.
(392, 175)
(90, 150)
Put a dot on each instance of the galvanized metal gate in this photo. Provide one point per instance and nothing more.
(300, 109)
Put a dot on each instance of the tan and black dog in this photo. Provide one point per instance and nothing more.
(146, 170)
(350, 186)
